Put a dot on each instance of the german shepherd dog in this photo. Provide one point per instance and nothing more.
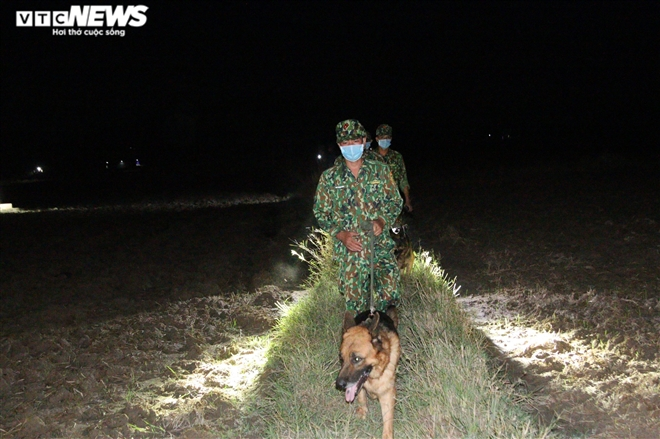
(369, 353)
(403, 250)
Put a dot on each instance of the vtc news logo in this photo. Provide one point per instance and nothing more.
(85, 16)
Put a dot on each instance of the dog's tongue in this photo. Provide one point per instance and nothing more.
(350, 393)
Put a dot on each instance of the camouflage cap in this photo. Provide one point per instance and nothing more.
(349, 129)
(384, 130)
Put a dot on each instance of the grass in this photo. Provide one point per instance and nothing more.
(447, 385)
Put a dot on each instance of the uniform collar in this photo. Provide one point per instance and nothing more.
(363, 169)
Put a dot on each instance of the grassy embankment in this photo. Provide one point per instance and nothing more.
(447, 385)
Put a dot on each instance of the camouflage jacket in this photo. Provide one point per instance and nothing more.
(343, 202)
(394, 160)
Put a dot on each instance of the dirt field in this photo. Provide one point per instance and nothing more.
(123, 321)
(570, 259)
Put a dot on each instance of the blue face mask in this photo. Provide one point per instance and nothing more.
(367, 146)
(352, 153)
(384, 143)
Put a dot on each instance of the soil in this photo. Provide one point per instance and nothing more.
(116, 319)
(560, 268)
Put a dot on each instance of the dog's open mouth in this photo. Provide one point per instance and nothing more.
(353, 390)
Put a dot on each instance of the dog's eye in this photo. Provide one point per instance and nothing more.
(356, 359)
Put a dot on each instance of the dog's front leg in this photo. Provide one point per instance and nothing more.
(387, 410)
(362, 404)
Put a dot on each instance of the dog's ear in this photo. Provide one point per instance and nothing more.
(349, 320)
(373, 326)
(394, 315)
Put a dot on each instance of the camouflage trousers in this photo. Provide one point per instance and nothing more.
(354, 280)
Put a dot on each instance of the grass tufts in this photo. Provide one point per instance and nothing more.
(447, 386)
(316, 252)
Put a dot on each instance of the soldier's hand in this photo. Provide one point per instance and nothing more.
(379, 226)
(351, 240)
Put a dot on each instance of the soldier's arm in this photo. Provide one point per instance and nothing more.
(379, 226)
(405, 187)
(327, 218)
(393, 202)
(406, 199)
(403, 184)
(323, 208)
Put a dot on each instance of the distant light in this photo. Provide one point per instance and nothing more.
(39, 169)
(178, 206)
(137, 162)
(319, 157)
(489, 135)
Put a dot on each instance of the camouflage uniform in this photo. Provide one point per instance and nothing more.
(394, 160)
(343, 202)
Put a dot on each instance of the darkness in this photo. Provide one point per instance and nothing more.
(240, 87)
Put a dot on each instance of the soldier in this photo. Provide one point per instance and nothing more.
(367, 146)
(394, 159)
(354, 191)
(368, 152)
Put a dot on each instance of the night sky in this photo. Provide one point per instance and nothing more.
(215, 85)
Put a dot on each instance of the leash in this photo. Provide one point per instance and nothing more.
(368, 226)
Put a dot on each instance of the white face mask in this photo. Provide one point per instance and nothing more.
(352, 153)
(384, 143)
